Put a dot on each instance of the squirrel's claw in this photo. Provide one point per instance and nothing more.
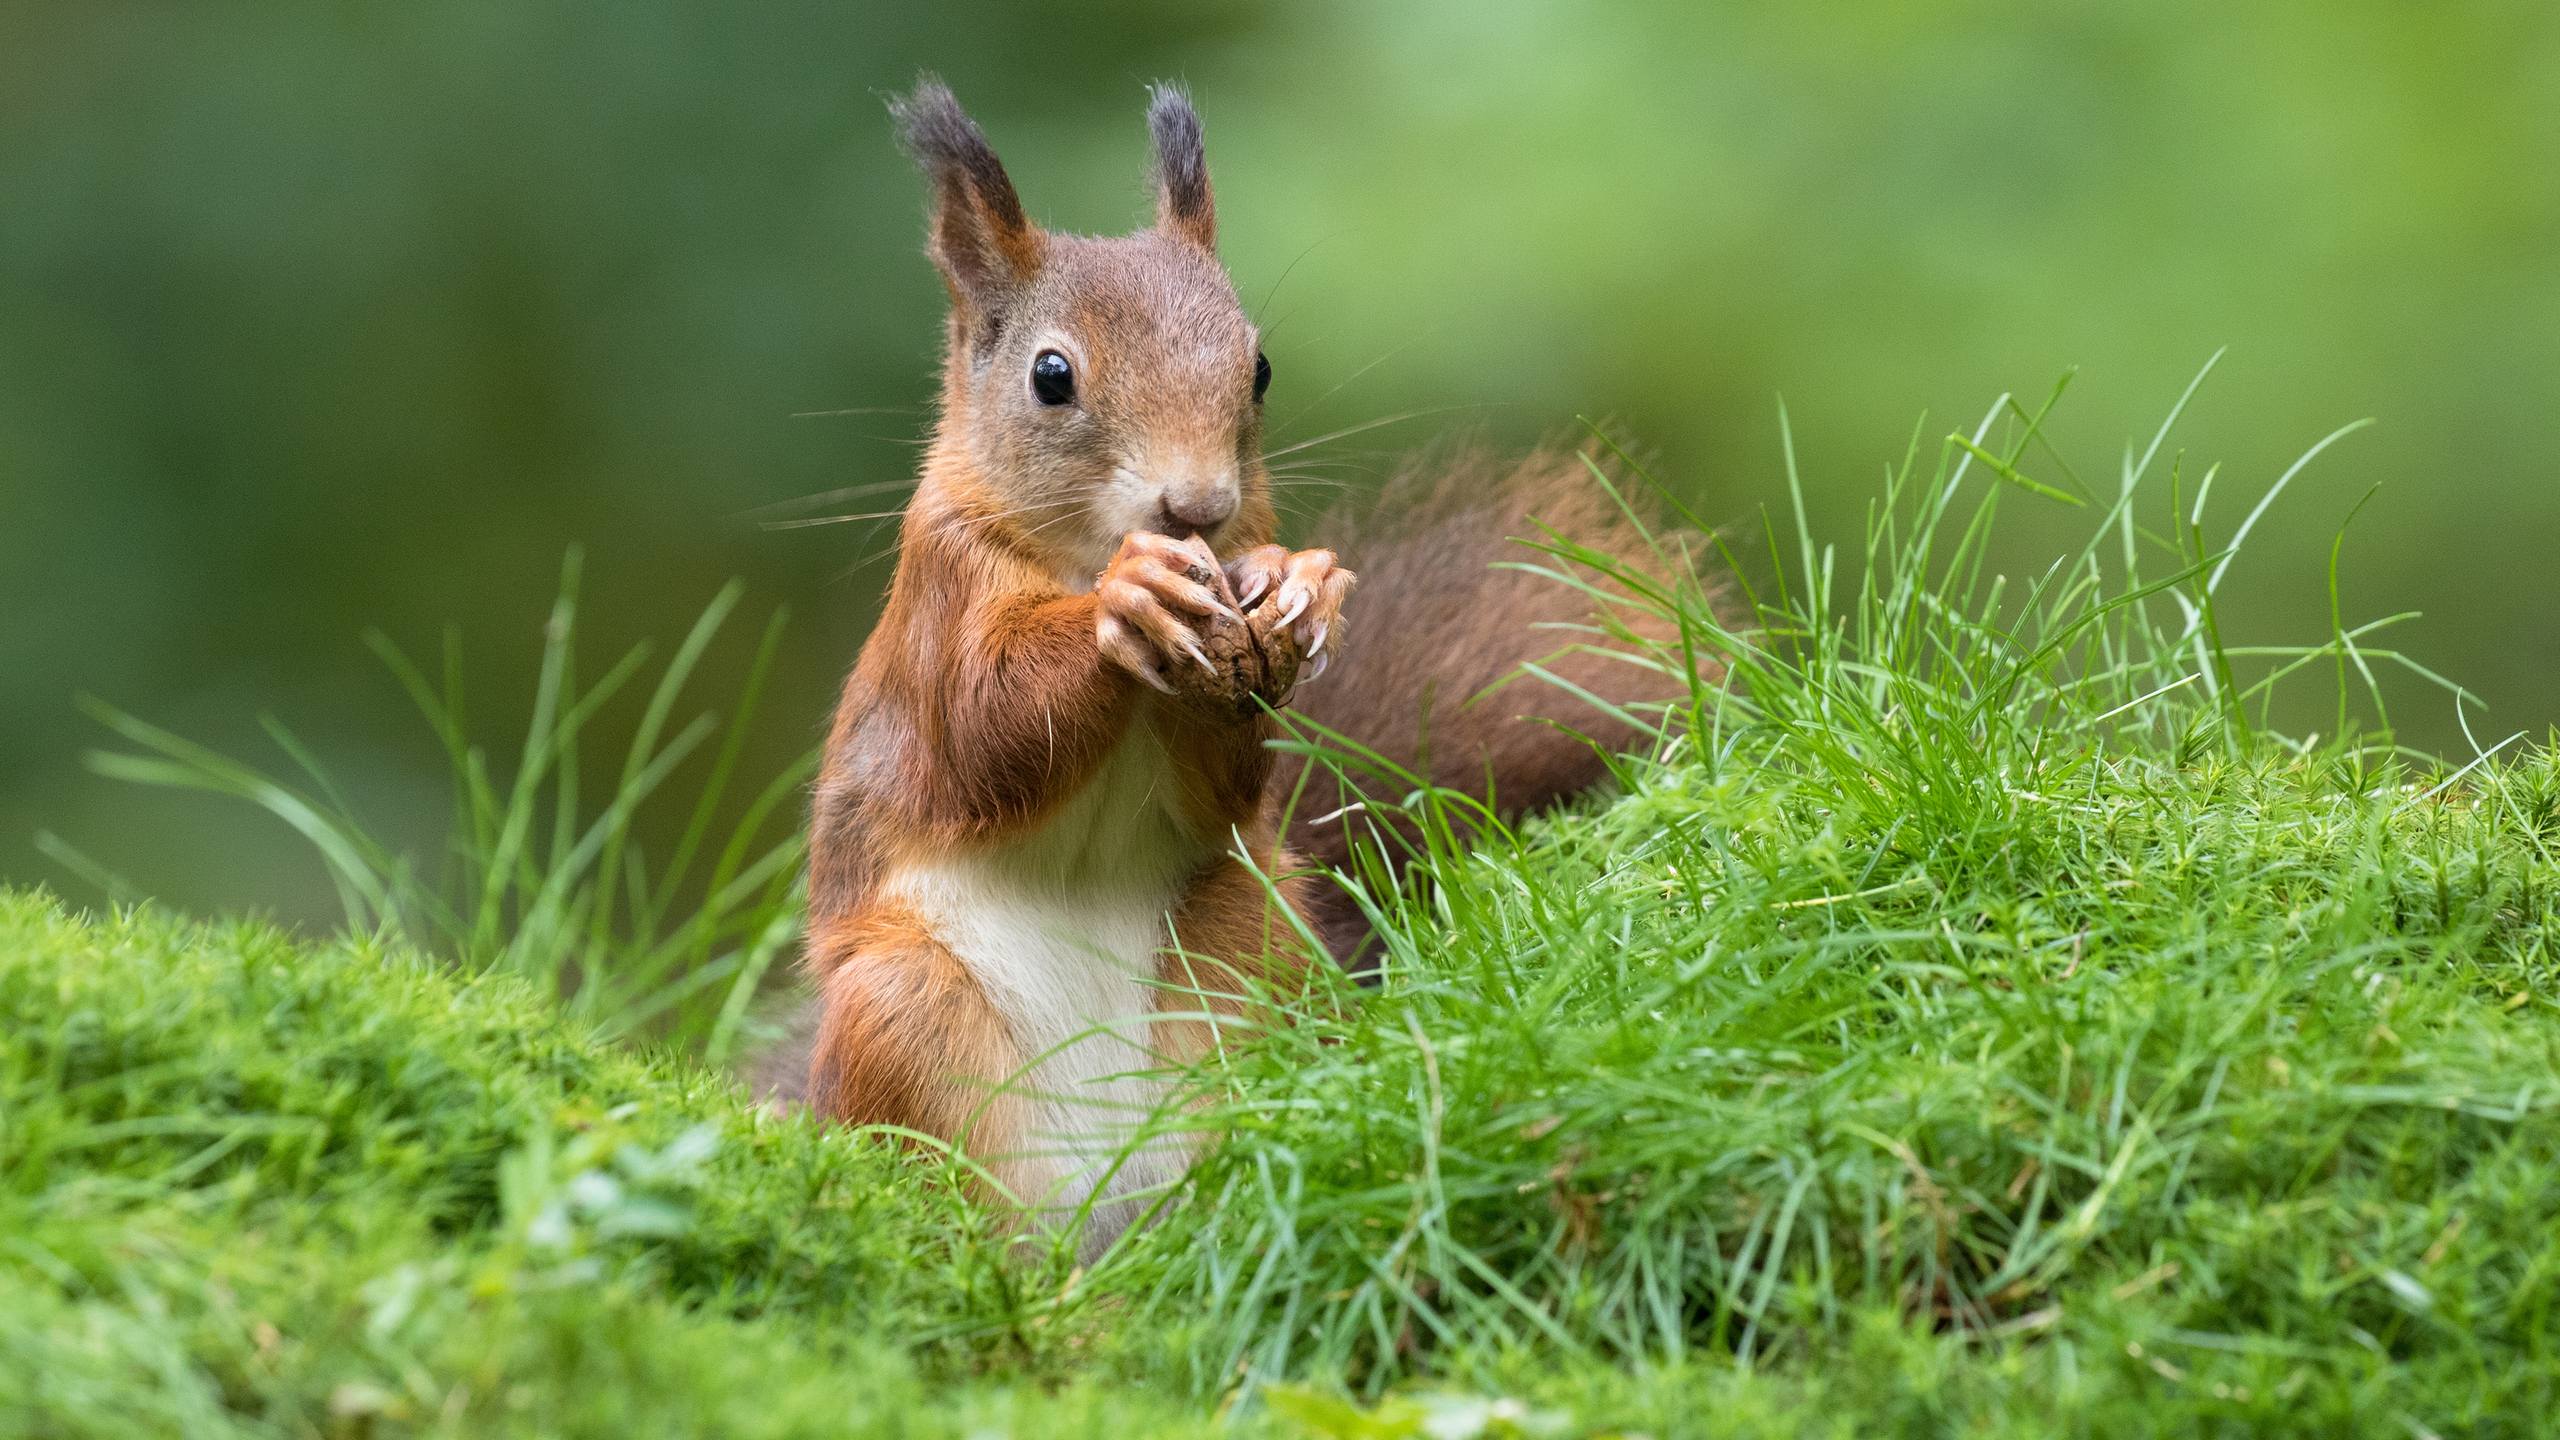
(1253, 573)
(1123, 645)
(1310, 599)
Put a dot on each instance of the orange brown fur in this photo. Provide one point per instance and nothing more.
(899, 1029)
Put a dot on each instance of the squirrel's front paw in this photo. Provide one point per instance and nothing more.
(1156, 598)
(1293, 605)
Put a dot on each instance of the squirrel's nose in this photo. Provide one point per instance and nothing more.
(1202, 509)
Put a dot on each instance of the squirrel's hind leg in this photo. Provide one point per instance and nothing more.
(906, 1037)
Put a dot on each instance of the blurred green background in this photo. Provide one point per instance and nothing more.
(323, 316)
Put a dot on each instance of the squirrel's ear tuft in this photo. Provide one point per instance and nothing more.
(984, 245)
(1183, 205)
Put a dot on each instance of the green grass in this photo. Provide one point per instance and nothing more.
(543, 874)
(1976, 1017)
(257, 1187)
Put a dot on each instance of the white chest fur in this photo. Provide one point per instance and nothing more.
(1061, 929)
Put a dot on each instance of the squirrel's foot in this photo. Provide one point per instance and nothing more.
(1293, 605)
(1156, 599)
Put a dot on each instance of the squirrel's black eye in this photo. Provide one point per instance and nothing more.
(1053, 380)
(1261, 375)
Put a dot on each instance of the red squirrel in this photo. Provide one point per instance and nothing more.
(1040, 839)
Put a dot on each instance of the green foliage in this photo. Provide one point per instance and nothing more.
(1969, 955)
(259, 1188)
(1974, 1016)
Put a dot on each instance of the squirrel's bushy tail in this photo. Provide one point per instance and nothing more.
(1437, 619)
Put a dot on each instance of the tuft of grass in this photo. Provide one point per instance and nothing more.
(541, 876)
(1975, 959)
(1974, 1015)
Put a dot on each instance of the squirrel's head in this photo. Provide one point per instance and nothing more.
(1096, 385)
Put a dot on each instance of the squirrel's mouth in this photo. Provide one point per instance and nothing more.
(1176, 527)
